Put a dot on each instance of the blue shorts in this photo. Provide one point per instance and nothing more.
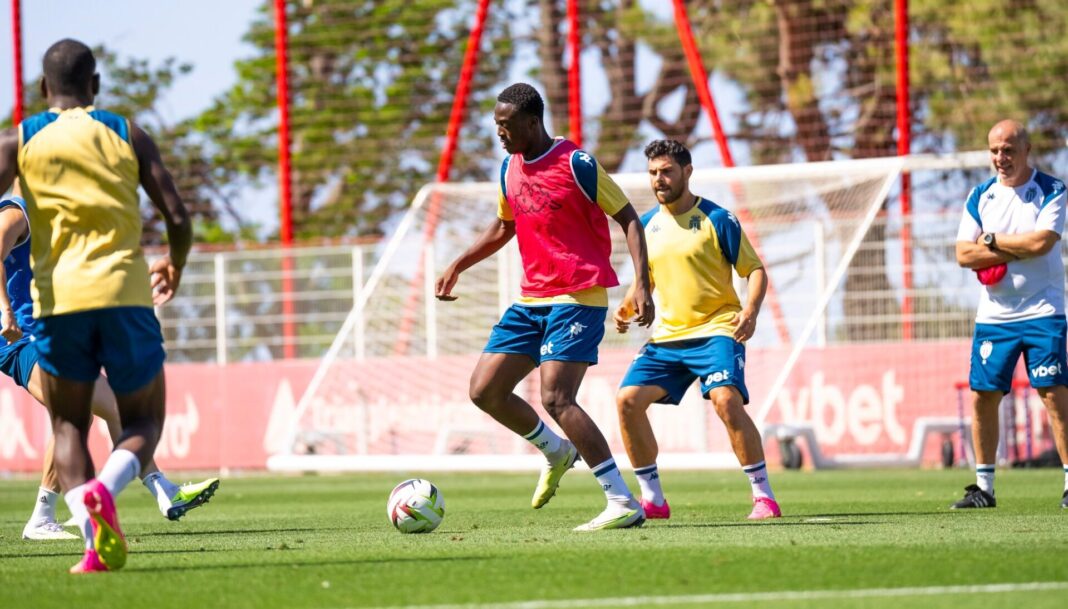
(125, 341)
(18, 359)
(997, 347)
(567, 333)
(717, 361)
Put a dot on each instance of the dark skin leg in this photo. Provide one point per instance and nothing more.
(69, 402)
(142, 413)
(492, 389)
(559, 387)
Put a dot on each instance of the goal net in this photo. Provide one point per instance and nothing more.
(392, 391)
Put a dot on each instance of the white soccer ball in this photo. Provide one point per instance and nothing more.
(415, 506)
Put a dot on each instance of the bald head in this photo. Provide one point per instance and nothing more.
(1011, 130)
(1009, 148)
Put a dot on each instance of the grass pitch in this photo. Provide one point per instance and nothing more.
(848, 539)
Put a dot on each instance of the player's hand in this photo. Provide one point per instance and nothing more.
(645, 310)
(165, 280)
(445, 283)
(744, 324)
(10, 329)
(623, 315)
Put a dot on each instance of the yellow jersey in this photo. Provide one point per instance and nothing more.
(79, 175)
(691, 257)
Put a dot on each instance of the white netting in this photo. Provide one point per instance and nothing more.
(394, 384)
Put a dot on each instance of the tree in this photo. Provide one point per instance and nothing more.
(372, 86)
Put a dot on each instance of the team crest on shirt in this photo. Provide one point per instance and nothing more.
(1030, 194)
(985, 350)
(695, 222)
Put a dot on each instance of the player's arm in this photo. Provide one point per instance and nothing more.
(626, 311)
(160, 188)
(9, 154)
(641, 293)
(745, 320)
(498, 233)
(13, 230)
(1026, 245)
(973, 255)
(742, 255)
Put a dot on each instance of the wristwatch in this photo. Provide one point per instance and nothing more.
(990, 241)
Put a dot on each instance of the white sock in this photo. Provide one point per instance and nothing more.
(45, 508)
(122, 468)
(75, 499)
(758, 479)
(1066, 478)
(984, 477)
(611, 481)
(161, 488)
(544, 439)
(649, 482)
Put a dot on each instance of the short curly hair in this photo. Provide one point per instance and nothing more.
(525, 98)
(679, 153)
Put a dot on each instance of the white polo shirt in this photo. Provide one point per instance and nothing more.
(1032, 288)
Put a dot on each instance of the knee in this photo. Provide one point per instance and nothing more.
(555, 402)
(628, 405)
(729, 408)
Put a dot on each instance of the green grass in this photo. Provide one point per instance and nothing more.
(325, 542)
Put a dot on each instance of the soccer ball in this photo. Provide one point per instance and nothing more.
(415, 506)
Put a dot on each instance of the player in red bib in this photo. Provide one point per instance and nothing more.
(554, 199)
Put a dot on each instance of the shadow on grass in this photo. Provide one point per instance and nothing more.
(134, 551)
(227, 532)
(773, 523)
(855, 514)
(309, 563)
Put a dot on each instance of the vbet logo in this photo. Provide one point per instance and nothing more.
(867, 412)
(718, 377)
(547, 348)
(1039, 372)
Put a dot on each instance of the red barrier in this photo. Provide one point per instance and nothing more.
(859, 399)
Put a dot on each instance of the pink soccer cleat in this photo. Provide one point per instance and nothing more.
(108, 541)
(656, 512)
(90, 563)
(764, 508)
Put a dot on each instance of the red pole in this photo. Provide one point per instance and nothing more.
(285, 179)
(574, 74)
(700, 81)
(16, 31)
(452, 136)
(904, 146)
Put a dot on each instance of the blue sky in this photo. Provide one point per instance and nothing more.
(154, 30)
(157, 29)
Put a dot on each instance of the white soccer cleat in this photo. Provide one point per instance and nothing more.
(45, 530)
(617, 516)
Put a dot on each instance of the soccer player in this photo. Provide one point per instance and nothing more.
(554, 198)
(1012, 223)
(18, 360)
(693, 245)
(79, 169)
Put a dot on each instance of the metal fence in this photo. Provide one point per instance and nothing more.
(244, 293)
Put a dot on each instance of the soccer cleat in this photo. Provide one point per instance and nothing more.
(551, 473)
(90, 563)
(617, 516)
(190, 496)
(656, 512)
(764, 508)
(975, 497)
(45, 530)
(108, 541)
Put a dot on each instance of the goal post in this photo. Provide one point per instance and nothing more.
(370, 406)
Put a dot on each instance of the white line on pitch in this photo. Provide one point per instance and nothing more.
(754, 597)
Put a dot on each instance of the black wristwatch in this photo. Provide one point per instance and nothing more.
(990, 241)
